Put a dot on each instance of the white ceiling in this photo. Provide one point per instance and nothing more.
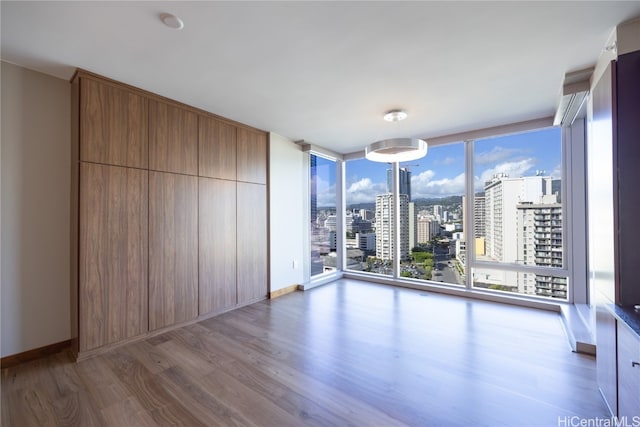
(326, 71)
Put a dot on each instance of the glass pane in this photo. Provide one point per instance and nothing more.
(517, 203)
(369, 217)
(323, 215)
(518, 211)
(434, 240)
(520, 282)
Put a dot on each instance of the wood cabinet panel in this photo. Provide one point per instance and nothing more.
(113, 125)
(252, 242)
(628, 373)
(217, 148)
(173, 249)
(217, 245)
(252, 156)
(113, 254)
(173, 139)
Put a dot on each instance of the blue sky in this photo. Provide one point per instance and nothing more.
(441, 172)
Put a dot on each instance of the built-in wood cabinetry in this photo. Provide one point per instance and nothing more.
(252, 150)
(252, 239)
(169, 209)
(217, 142)
(173, 249)
(113, 254)
(217, 243)
(173, 139)
(114, 125)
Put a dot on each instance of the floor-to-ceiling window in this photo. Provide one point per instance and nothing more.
(369, 217)
(485, 213)
(323, 226)
(519, 239)
(434, 188)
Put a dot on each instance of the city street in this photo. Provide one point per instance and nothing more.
(444, 270)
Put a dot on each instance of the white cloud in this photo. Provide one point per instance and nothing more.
(364, 191)
(497, 154)
(424, 186)
(326, 193)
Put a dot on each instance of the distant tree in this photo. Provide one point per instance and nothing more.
(418, 249)
(406, 274)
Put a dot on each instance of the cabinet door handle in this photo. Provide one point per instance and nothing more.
(634, 364)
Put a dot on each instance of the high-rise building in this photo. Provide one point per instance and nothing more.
(385, 228)
(427, 229)
(528, 209)
(413, 226)
(540, 243)
(405, 181)
(502, 194)
(366, 241)
(330, 223)
(317, 266)
(366, 214)
(479, 215)
(437, 212)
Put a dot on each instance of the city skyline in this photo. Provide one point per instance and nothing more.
(441, 172)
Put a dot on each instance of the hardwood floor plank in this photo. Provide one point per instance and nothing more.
(347, 353)
(202, 402)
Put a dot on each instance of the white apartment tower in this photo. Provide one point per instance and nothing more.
(540, 243)
(385, 229)
(502, 194)
(479, 220)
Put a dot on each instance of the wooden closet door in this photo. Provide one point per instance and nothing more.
(252, 242)
(113, 254)
(252, 156)
(173, 139)
(113, 125)
(217, 152)
(217, 245)
(173, 249)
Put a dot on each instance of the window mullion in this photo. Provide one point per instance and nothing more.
(468, 213)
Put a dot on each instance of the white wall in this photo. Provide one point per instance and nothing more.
(287, 198)
(35, 208)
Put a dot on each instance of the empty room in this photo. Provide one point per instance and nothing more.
(322, 213)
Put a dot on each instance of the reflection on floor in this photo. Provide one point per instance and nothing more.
(347, 353)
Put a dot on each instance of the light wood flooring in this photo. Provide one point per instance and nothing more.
(347, 353)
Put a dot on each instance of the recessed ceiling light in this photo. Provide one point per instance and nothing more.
(172, 21)
(395, 115)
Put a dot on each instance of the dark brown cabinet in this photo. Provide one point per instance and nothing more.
(217, 245)
(217, 153)
(163, 231)
(251, 156)
(173, 139)
(113, 254)
(173, 249)
(252, 242)
(113, 125)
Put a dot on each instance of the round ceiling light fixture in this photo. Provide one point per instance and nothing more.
(395, 115)
(396, 149)
(172, 21)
